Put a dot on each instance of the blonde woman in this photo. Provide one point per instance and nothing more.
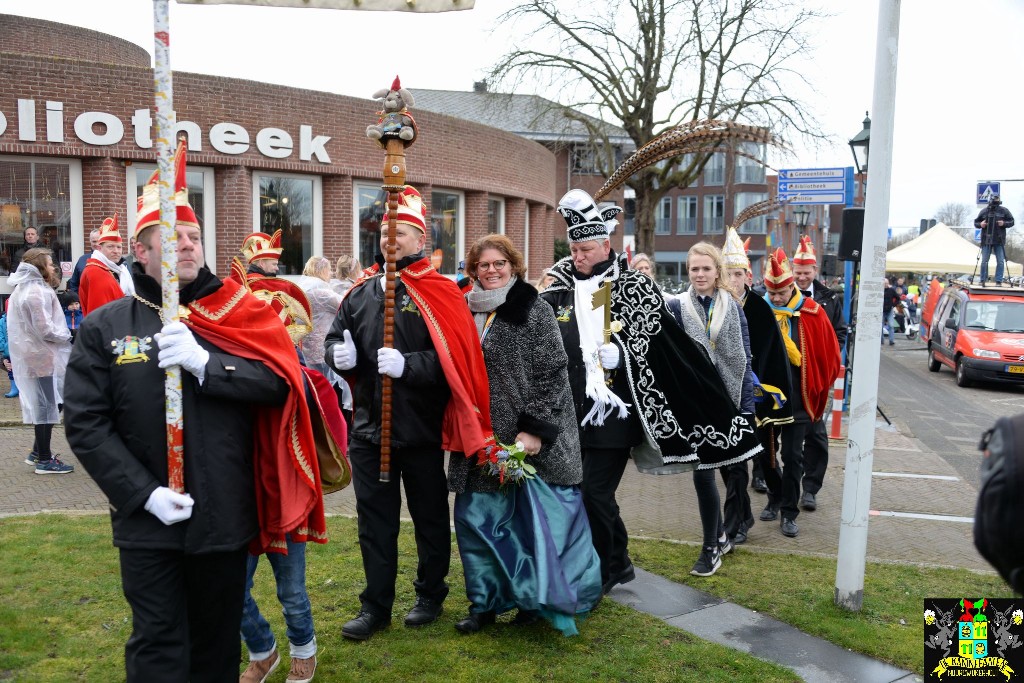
(710, 314)
(345, 273)
(643, 263)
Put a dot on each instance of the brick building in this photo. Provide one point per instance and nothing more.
(76, 143)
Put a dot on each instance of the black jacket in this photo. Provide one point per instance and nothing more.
(993, 233)
(615, 433)
(114, 417)
(419, 397)
(832, 302)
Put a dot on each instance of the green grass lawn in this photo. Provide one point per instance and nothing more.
(63, 618)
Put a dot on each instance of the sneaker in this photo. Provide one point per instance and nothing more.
(31, 459)
(724, 546)
(53, 466)
(258, 672)
(708, 562)
(302, 670)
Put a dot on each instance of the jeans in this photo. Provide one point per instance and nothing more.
(1000, 252)
(888, 324)
(290, 576)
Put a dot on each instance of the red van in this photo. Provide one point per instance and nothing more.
(975, 330)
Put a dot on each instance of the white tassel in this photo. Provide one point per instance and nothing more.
(605, 402)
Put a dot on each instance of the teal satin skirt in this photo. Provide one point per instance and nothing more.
(529, 547)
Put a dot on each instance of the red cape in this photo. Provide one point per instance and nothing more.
(819, 344)
(287, 473)
(467, 419)
(98, 286)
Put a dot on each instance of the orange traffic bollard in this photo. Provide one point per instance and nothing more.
(837, 405)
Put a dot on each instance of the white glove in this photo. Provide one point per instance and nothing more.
(169, 506)
(345, 353)
(390, 362)
(609, 355)
(179, 347)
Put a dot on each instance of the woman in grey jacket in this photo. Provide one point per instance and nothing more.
(525, 544)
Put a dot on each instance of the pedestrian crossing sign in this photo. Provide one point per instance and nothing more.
(986, 190)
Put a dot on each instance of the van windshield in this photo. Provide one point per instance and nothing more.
(998, 316)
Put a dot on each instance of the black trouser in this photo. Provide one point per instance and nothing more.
(771, 467)
(709, 506)
(186, 614)
(378, 507)
(792, 467)
(602, 472)
(737, 515)
(815, 456)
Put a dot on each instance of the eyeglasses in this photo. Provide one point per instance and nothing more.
(498, 265)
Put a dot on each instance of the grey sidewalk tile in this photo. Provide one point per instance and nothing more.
(813, 659)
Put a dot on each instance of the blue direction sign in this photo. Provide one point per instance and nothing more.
(985, 191)
(816, 185)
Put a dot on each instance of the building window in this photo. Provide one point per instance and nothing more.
(291, 204)
(714, 214)
(755, 226)
(687, 223)
(200, 182)
(37, 193)
(371, 202)
(629, 216)
(749, 166)
(496, 216)
(663, 219)
(714, 170)
(446, 231)
(584, 160)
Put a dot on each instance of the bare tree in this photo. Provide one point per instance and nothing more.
(954, 214)
(651, 64)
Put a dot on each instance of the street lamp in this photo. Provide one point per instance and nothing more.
(861, 141)
(802, 213)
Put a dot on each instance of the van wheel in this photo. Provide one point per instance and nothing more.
(961, 374)
(933, 362)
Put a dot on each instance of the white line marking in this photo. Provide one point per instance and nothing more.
(919, 515)
(915, 476)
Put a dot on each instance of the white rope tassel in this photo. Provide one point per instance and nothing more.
(605, 400)
(589, 321)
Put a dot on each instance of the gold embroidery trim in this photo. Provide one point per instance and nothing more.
(297, 449)
(224, 310)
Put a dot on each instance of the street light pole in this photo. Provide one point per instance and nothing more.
(853, 529)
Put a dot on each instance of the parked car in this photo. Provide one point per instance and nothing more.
(976, 330)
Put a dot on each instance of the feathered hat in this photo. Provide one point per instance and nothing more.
(585, 220)
(805, 255)
(777, 273)
(260, 245)
(109, 232)
(410, 210)
(734, 252)
(148, 209)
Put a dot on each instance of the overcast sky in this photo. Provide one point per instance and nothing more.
(958, 105)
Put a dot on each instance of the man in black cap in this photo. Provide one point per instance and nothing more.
(993, 221)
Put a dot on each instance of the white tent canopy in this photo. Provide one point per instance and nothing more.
(940, 250)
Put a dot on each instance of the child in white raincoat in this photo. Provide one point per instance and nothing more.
(40, 344)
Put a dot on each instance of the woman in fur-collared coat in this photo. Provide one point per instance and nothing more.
(524, 544)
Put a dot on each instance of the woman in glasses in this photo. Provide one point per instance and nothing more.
(524, 544)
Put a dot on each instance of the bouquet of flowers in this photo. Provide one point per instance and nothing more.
(507, 463)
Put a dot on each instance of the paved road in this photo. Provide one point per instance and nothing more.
(947, 419)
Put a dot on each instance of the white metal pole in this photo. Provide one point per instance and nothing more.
(164, 96)
(853, 526)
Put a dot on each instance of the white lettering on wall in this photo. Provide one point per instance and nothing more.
(225, 137)
(27, 120)
(142, 122)
(54, 121)
(274, 143)
(308, 147)
(113, 134)
(229, 138)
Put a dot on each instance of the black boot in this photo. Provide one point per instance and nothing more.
(474, 622)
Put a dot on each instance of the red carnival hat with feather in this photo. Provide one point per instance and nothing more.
(410, 210)
(148, 209)
(109, 232)
(260, 245)
(778, 274)
(805, 255)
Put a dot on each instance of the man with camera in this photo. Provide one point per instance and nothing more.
(993, 221)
